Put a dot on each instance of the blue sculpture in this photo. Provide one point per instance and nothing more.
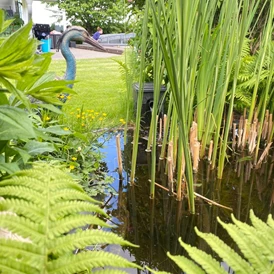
(75, 33)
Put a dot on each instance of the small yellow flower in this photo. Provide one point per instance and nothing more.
(121, 120)
(62, 96)
(78, 115)
(78, 109)
(73, 158)
(104, 114)
(92, 110)
(71, 167)
(93, 117)
(83, 113)
(100, 119)
(72, 112)
(83, 125)
(66, 128)
(83, 117)
(47, 118)
(96, 113)
(68, 97)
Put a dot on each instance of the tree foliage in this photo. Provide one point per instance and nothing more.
(108, 14)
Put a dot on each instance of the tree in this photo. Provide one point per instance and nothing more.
(108, 14)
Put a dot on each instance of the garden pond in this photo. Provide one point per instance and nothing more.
(156, 224)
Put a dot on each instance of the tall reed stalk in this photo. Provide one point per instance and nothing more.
(201, 44)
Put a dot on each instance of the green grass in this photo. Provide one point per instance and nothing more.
(101, 92)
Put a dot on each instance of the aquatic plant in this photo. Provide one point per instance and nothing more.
(254, 241)
(199, 45)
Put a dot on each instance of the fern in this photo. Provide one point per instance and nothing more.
(45, 207)
(254, 241)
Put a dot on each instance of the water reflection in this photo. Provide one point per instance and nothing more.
(155, 225)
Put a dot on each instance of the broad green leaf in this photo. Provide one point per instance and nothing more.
(10, 168)
(15, 124)
(58, 130)
(35, 148)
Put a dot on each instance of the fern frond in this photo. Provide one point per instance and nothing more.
(87, 260)
(261, 226)
(31, 183)
(22, 192)
(69, 195)
(11, 266)
(82, 239)
(270, 221)
(207, 262)
(29, 253)
(71, 207)
(186, 265)
(258, 238)
(44, 218)
(236, 262)
(248, 248)
(22, 227)
(23, 208)
(66, 224)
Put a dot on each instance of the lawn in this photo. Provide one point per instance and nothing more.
(101, 91)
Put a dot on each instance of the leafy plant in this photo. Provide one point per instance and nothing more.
(46, 210)
(255, 242)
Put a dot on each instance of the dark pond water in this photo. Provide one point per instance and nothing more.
(155, 225)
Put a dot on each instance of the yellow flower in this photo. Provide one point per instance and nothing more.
(78, 109)
(47, 118)
(66, 128)
(83, 113)
(78, 115)
(69, 97)
(121, 120)
(83, 117)
(83, 125)
(93, 117)
(100, 119)
(96, 113)
(72, 112)
(104, 114)
(71, 167)
(92, 110)
(73, 158)
(62, 96)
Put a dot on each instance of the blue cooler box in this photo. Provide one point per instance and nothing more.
(46, 45)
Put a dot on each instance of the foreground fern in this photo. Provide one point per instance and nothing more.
(42, 206)
(255, 242)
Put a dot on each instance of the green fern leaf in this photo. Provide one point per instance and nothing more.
(257, 237)
(87, 260)
(12, 266)
(186, 265)
(65, 225)
(238, 264)
(263, 227)
(248, 248)
(22, 227)
(82, 239)
(71, 207)
(20, 181)
(28, 253)
(23, 208)
(270, 221)
(34, 215)
(69, 194)
(23, 193)
(208, 263)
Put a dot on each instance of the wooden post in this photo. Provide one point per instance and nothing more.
(119, 155)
